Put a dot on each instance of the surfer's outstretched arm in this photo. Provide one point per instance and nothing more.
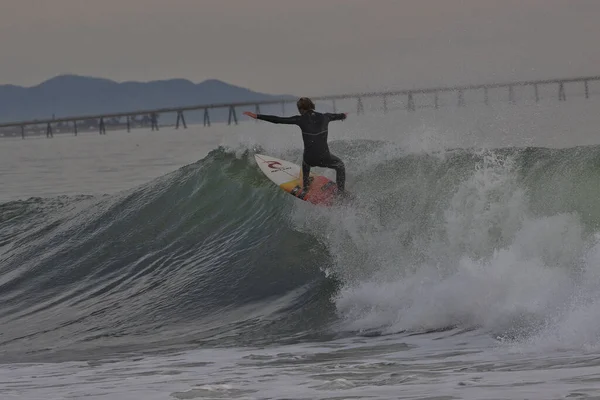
(336, 117)
(275, 119)
(279, 120)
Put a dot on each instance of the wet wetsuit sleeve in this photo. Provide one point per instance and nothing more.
(279, 120)
(336, 117)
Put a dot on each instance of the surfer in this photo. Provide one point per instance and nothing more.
(314, 126)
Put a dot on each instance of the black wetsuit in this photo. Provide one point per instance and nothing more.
(314, 128)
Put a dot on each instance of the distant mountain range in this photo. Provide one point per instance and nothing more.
(72, 95)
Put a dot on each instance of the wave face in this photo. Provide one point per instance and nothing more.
(213, 254)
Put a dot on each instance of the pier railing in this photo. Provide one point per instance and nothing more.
(99, 121)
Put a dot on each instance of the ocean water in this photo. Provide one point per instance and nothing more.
(164, 265)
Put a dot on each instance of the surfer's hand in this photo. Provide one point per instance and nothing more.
(250, 114)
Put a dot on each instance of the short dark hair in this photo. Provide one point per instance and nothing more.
(305, 104)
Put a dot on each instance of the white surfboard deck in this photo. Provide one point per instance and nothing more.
(278, 171)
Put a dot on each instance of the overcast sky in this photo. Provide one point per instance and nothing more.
(301, 47)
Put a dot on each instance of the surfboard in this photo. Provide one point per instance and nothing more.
(288, 176)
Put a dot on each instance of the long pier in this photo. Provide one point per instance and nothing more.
(151, 115)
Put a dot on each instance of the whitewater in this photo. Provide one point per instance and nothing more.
(164, 265)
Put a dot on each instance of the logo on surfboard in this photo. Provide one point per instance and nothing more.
(276, 166)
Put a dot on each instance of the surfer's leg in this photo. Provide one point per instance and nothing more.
(340, 171)
(305, 175)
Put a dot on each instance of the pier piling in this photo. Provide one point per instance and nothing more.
(256, 111)
(232, 115)
(410, 102)
(206, 117)
(461, 98)
(180, 118)
(154, 121)
(360, 108)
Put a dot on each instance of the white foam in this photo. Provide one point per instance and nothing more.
(488, 262)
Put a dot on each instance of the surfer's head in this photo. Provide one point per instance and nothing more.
(305, 105)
